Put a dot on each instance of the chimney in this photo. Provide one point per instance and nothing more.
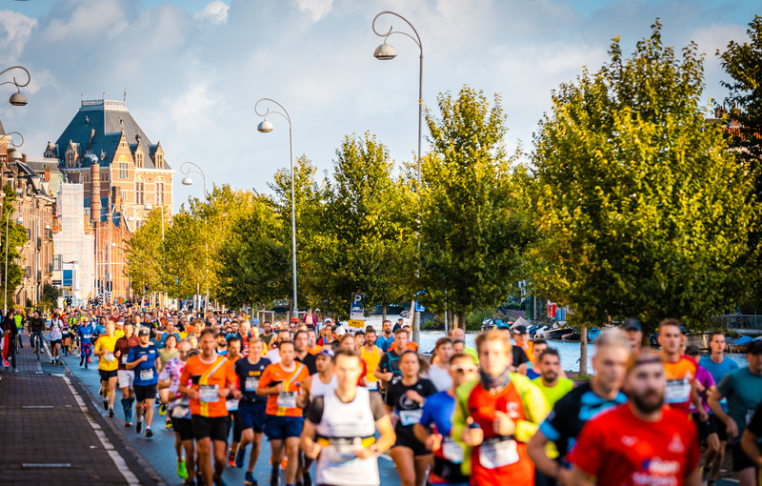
(95, 193)
(46, 177)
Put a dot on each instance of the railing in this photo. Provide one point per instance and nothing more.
(740, 321)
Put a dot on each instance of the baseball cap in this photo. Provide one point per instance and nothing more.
(327, 319)
(692, 350)
(340, 331)
(755, 346)
(144, 331)
(520, 329)
(294, 319)
(632, 324)
(326, 352)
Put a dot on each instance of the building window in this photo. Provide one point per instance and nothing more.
(160, 192)
(124, 195)
(159, 161)
(139, 160)
(139, 187)
(123, 170)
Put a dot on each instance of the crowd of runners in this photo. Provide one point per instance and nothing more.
(502, 413)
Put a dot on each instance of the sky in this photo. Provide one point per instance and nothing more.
(194, 69)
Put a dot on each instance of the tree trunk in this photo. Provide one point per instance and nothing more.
(583, 350)
(462, 321)
(383, 312)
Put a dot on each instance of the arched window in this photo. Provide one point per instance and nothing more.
(139, 191)
(159, 191)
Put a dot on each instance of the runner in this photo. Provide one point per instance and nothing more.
(55, 335)
(267, 335)
(166, 353)
(743, 389)
(458, 334)
(641, 442)
(345, 422)
(233, 401)
(386, 338)
(434, 429)
(439, 370)
(406, 398)
(144, 360)
(251, 408)
(371, 355)
(550, 382)
(680, 370)
(126, 377)
(521, 336)
(281, 383)
(274, 353)
(213, 379)
(312, 346)
(634, 333)
(178, 409)
(496, 416)
(750, 441)
(572, 410)
(705, 386)
(718, 365)
(85, 333)
(301, 341)
(107, 367)
(388, 370)
(18, 320)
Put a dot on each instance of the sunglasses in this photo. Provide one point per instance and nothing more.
(464, 369)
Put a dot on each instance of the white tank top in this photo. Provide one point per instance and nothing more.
(341, 431)
(320, 389)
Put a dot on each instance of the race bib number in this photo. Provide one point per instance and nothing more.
(124, 359)
(180, 411)
(452, 451)
(410, 417)
(86, 336)
(678, 391)
(287, 400)
(231, 404)
(749, 415)
(497, 452)
(343, 450)
(108, 356)
(372, 385)
(251, 384)
(208, 393)
(146, 375)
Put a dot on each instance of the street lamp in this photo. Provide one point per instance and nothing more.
(17, 98)
(266, 127)
(187, 181)
(385, 52)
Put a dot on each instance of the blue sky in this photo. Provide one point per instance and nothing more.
(194, 69)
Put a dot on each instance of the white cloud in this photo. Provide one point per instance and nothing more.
(215, 12)
(15, 29)
(318, 9)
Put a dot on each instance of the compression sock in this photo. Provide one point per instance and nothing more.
(126, 408)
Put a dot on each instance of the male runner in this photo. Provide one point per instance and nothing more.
(752, 438)
(521, 336)
(549, 379)
(144, 360)
(86, 333)
(680, 370)
(312, 346)
(281, 383)
(507, 409)
(126, 377)
(572, 411)
(344, 423)
(634, 333)
(301, 341)
(267, 335)
(251, 408)
(178, 408)
(718, 365)
(386, 338)
(642, 442)
(434, 429)
(743, 389)
(371, 355)
(388, 370)
(213, 379)
(107, 366)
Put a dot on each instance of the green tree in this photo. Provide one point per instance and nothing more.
(360, 231)
(473, 224)
(17, 237)
(643, 210)
(145, 258)
(50, 295)
(186, 246)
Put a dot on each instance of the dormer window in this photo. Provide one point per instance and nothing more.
(139, 160)
(159, 161)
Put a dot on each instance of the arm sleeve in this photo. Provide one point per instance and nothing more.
(376, 406)
(265, 379)
(315, 413)
(429, 389)
(185, 375)
(755, 426)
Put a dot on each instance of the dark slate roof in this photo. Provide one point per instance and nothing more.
(2, 128)
(108, 118)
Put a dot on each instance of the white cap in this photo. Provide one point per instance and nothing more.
(341, 331)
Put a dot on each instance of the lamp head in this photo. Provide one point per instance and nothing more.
(47, 226)
(148, 207)
(14, 154)
(18, 99)
(385, 52)
(187, 181)
(20, 220)
(265, 126)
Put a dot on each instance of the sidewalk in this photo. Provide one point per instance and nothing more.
(50, 436)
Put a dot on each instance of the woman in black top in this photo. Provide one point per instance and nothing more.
(405, 399)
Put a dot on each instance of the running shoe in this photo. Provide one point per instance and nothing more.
(139, 426)
(275, 478)
(149, 433)
(220, 482)
(249, 479)
(231, 459)
(105, 403)
(128, 424)
(168, 424)
(110, 412)
(239, 457)
(162, 409)
(181, 470)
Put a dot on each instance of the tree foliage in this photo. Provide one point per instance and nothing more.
(643, 210)
(17, 237)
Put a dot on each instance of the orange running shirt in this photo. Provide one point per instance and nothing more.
(680, 376)
(411, 346)
(285, 405)
(207, 385)
(316, 350)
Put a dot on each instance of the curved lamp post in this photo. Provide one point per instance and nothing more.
(266, 127)
(385, 52)
(187, 181)
(17, 98)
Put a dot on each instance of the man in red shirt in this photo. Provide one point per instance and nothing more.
(641, 442)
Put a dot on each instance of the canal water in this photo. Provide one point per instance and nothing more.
(568, 351)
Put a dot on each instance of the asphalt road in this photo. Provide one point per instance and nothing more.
(159, 450)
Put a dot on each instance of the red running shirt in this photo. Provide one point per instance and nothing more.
(499, 460)
(620, 449)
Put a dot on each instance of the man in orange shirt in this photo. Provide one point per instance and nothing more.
(411, 345)
(213, 379)
(680, 370)
(282, 383)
